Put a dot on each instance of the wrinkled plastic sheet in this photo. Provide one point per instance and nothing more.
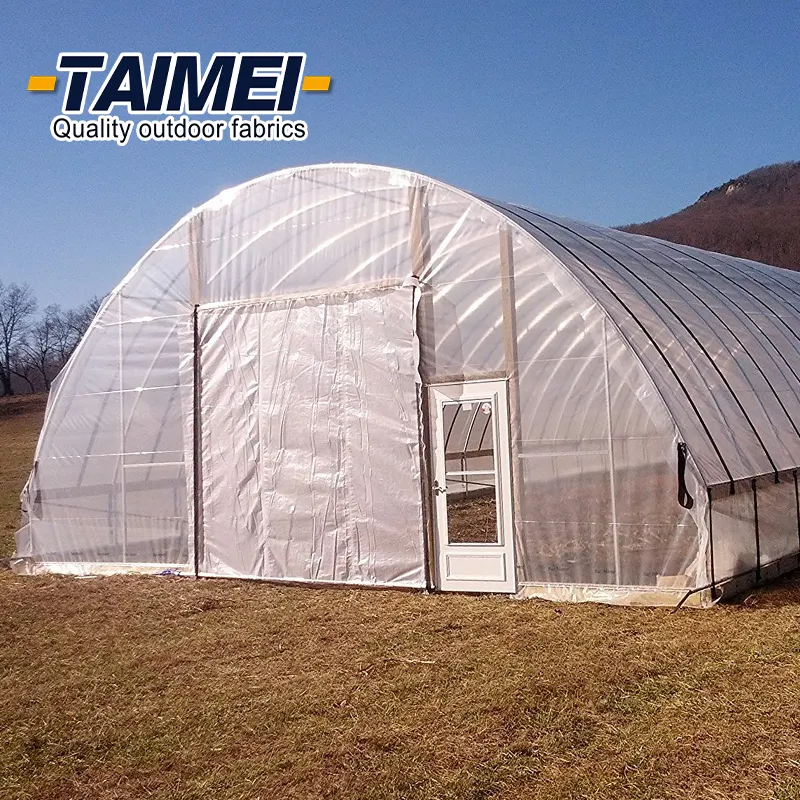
(310, 458)
(616, 595)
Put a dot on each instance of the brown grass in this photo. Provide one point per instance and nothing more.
(472, 518)
(171, 688)
(20, 420)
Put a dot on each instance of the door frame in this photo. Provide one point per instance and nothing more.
(503, 551)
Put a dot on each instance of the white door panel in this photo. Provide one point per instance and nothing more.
(471, 486)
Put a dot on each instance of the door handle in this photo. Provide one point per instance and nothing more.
(437, 489)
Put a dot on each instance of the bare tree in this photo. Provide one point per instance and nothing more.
(49, 343)
(63, 333)
(88, 311)
(23, 368)
(33, 353)
(44, 346)
(79, 319)
(17, 306)
(70, 326)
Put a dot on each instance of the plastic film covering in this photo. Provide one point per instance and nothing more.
(719, 336)
(309, 286)
(755, 527)
(597, 450)
(109, 479)
(316, 475)
(462, 327)
(113, 487)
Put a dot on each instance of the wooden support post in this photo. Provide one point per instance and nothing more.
(195, 295)
(512, 371)
(420, 259)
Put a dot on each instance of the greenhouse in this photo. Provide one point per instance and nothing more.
(359, 375)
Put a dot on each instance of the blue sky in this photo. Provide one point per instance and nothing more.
(611, 112)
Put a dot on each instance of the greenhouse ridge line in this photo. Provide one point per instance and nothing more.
(669, 246)
(680, 321)
(641, 325)
(728, 328)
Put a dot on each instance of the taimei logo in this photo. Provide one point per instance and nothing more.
(232, 84)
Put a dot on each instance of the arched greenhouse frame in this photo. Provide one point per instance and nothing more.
(361, 375)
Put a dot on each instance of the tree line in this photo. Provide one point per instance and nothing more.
(755, 216)
(35, 346)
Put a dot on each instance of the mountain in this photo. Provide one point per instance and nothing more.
(756, 215)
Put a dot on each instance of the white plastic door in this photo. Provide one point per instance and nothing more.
(472, 488)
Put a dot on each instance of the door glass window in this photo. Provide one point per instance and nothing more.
(470, 475)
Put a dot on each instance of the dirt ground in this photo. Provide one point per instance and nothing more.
(173, 688)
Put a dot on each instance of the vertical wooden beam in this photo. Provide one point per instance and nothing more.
(419, 241)
(197, 470)
(420, 245)
(512, 372)
(754, 486)
(195, 259)
(122, 421)
(711, 544)
(195, 297)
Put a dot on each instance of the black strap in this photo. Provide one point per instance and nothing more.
(684, 498)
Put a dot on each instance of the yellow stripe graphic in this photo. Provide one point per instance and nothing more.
(42, 83)
(316, 83)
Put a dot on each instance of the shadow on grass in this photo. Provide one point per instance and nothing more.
(19, 405)
(774, 592)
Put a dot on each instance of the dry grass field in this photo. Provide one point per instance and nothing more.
(173, 688)
(20, 421)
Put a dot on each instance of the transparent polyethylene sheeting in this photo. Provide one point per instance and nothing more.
(719, 336)
(109, 480)
(599, 460)
(312, 347)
